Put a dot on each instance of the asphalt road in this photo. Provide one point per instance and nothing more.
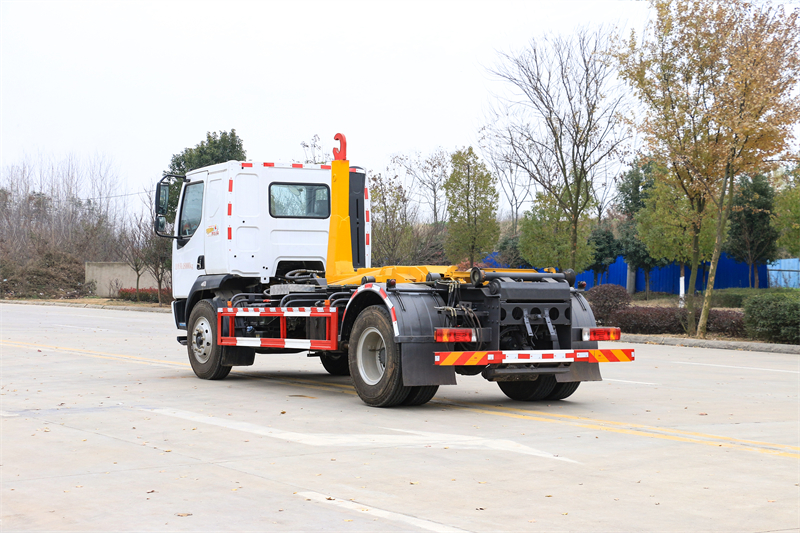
(105, 428)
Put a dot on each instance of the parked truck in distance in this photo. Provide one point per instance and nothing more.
(276, 258)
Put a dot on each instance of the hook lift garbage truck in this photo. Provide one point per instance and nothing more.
(273, 258)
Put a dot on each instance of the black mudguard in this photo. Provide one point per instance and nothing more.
(417, 319)
(582, 317)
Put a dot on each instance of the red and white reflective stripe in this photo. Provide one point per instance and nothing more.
(367, 228)
(280, 313)
(300, 344)
(542, 356)
(378, 289)
(288, 165)
(276, 311)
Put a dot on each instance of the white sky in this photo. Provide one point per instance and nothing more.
(138, 81)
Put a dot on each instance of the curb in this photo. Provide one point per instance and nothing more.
(92, 306)
(702, 343)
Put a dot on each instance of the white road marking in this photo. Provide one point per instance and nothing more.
(738, 367)
(626, 381)
(6, 414)
(80, 327)
(389, 515)
(411, 439)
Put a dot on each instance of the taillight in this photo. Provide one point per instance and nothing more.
(455, 335)
(601, 334)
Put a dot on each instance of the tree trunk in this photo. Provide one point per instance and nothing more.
(690, 326)
(750, 275)
(722, 221)
(138, 275)
(682, 290)
(595, 278)
(574, 244)
(646, 283)
(755, 272)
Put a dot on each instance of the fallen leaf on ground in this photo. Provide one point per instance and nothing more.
(183, 514)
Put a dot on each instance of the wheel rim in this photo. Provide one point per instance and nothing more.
(371, 356)
(202, 340)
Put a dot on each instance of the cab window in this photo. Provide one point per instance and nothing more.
(299, 200)
(191, 210)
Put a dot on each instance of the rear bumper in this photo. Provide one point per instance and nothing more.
(544, 356)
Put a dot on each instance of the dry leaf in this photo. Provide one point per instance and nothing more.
(183, 514)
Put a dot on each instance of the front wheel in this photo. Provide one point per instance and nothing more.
(374, 359)
(205, 355)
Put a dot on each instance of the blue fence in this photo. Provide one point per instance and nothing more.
(784, 273)
(730, 274)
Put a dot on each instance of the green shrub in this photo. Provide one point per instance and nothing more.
(671, 320)
(146, 295)
(607, 299)
(737, 297)
(642, 295)
(648, 320)
(774, 317)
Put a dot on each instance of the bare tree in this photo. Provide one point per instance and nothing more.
(564, 125)
(314, 152)
(157, 251)
(515, 183)
(428, 175)
(133, 242)
(393, 218)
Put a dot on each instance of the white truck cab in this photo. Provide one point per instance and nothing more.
(255, 220)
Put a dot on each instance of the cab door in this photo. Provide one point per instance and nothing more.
(188, 256)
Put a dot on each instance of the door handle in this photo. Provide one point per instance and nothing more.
(201, 262)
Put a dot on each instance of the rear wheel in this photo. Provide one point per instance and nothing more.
(563, 390)
(420, 395)
(205, 355)
(335, 363)
(375, 359)
(528, 391)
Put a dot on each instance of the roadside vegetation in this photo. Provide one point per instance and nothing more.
(668, 147)
(771, 315)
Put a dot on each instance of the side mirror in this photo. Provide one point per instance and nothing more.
(162, 199)
(161, 224)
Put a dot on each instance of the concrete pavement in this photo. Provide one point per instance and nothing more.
(105, 428)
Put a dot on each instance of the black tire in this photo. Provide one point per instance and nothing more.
(205, 355)
(421, 395)
(528, 391)
(374, 359)
(563, 390)
(335, 363)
